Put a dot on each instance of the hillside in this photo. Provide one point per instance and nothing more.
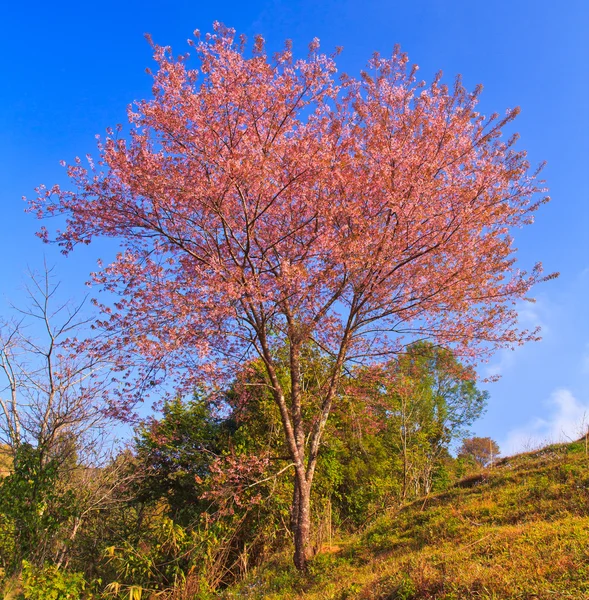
(519, 530)
(5, 460)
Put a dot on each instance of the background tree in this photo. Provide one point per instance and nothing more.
(52, 391)
(51, 421)
(483, 450)
(421, 402)
(176, 452)
(435, 400)
(262, 205)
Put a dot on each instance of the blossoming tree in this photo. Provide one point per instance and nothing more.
(263, 204)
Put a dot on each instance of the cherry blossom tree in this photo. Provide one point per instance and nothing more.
(264, 203)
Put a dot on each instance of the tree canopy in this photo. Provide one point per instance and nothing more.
(262, 204)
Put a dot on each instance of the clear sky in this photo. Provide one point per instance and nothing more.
(69, 70)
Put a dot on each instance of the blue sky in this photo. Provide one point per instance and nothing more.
(70, 69)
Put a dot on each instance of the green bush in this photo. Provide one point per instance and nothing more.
(51, 583)
(35, 506)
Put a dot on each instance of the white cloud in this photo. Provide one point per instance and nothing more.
(504, 360)
(567, 418)
(530, 315)
(533, 314)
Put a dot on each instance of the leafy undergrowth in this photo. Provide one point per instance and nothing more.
(519, 530)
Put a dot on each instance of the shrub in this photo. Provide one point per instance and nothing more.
(51, 583)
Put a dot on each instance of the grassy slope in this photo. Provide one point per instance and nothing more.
(520, 531)
(5, 460)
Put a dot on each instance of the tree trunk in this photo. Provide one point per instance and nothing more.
(294, 508)
(405, 460)
(301, 524)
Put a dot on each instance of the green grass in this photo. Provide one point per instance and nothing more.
(517, 531)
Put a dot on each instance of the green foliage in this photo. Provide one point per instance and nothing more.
(159, 561)
(176, 452)
(426, 400)
(34, 505)
(390, 434)
(51, 583)
(7, 544)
